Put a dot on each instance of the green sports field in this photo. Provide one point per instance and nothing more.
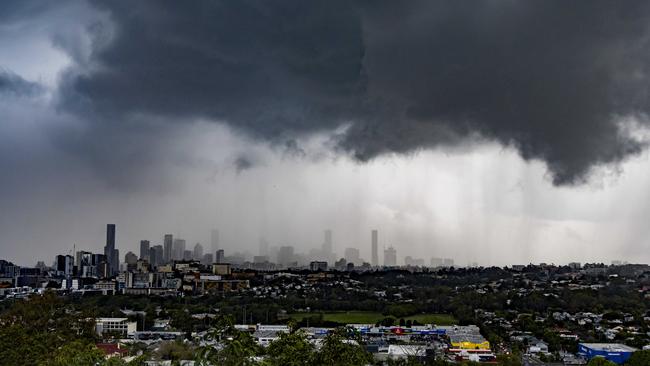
(369, 317)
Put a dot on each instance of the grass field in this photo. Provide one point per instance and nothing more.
(369, 317)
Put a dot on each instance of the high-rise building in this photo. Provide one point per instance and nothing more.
(64, 265)
(144, 249)
(187, 255)
(436, 262)
(326, 248)
(156, 255)
(220, 256)
(131, 260)
(374, 249)
(285, 255)
(208, 258)
(85, 264)
(198, 252)
(214, 240)
(179, 249)
(352, 256)
(264, 247)
(390, 257)
(448, 262)
(168, 243)
(112, 254)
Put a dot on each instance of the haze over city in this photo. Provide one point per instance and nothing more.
(465, 131)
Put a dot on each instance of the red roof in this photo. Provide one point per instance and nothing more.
(111, 348)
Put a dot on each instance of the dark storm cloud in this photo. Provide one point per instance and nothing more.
(548, 78)
(12, 84)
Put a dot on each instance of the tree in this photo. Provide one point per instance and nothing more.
(76, 353)
(639, 358)
(339, 349)
(32, 331)
(600, 361)
(291, 349)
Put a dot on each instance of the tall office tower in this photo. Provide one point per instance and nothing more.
(208, 258)
(64, 264)
(352, 256)
(156, 255)
(219, 258)
(375, 256)
(390, 257)
(109, 250)
(286, 255)
(187, 255)
(214, 240)
(83, 258)
(328, 253)
(144, 249)
(264, 247)
(167, 250)
(130, 258)
(198, 252)
(116, 261)
(84, 264)
(179, 249)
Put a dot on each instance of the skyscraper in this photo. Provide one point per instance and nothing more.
(264, 247)
(198, 252)
(144, 249)
(286, 255)
(167, 250)
(375, 256)
(112, 255)
(64, 264)
(156, 255)
(352, 256)
(219, 258)
(179, 249)
(214, 240)
(390, 257)
(327, 252)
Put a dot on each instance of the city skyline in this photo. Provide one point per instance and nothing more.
(294, 127)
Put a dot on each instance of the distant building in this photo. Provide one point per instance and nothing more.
(112, 254)
(352, 255)
(260, 259)
(327, 252)
(374, 249)
(575, 265)
(315, 266)
(214, 240)
(144, 249)
(121, 326)
(436, 262)
(156, 255)
(447, 262)
(222, 269)
(285, 255)
(130, 259)
(390, 257)
(198, 252)
(264, 247)
(64, 265)
(208, 258)
(168, 243)
(614, 352)
(179, 249)
(187, 255)
(220, 256)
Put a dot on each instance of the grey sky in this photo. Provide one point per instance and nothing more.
(496, 132)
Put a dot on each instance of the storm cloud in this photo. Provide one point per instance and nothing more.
(551, 79)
